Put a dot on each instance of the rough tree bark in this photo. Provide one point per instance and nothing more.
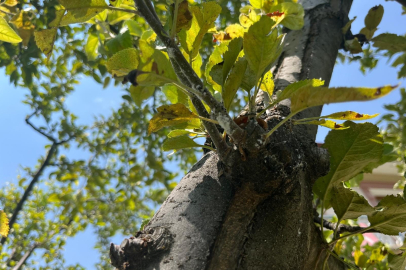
(257, 213)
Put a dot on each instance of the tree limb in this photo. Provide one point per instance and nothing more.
(188, 77)
(38, 174)
(342, 228)
(26, 256)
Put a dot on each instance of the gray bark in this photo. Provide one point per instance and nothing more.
(255, 212)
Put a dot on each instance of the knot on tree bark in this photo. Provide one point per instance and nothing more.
(133, 253)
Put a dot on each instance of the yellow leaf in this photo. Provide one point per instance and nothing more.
(4, 228)
(45, 40)
(7, 34)
(324, 123)
(123, 62)
(349, 115)
(170, 115)
(267, 84)
(11, 3)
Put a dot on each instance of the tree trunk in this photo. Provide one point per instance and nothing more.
(257, 213)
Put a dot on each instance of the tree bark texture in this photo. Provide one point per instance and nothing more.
(255, 212)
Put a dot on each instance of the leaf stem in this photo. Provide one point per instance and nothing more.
(269, 106)
(279, 124)
(175, 19)
(208, 120)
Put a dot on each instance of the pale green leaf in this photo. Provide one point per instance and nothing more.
(262, 46)
(390, 215)
(293, 15)
(91, 47)
(179, 132)
(115, 16)
(348, 204)
(233, 82)
(374, 17)
(7, 33)
(120, 42)
(121, 63)
(140, 93)
(80, 11)
(174, 94)
(350, 151)
(214, 59)
(178, 143)
(391, 42)
(397, 261)
(133, 27)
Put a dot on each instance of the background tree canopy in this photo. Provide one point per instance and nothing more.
(110, 173)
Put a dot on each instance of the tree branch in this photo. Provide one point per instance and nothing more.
(38, 174)
(342, 228)
(26, 256)
(188, 77)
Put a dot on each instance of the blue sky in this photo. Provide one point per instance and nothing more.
(21, 146)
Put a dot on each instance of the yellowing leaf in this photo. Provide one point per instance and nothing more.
(179, 142)
(262, 46)
(350, 151)
(349, 115)
(368, 33)
(115, 16)
(7, 34)
(305, 96)
(214, 59)
(180, 132)
(170, 115)
(11, 3)
(123, 62)
(292, 17)
(391, 42)
(174, 94)
(184, 18)
(374, 17)
(203, 20)
(249, 19)
(45, 40)
(4, 228)
(324, 123)
(353, 46)
(80, 11)
(267, 84)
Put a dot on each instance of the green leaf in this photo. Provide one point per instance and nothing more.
(120, 42)
(397, 261)
(348, 204)
(121, 63)
(374, 17)
(140, 93)
(179, 132)
(305, 95)
(4, 228)
(230, 56)
(390, 215)
(388, 155)
(350, 151)
(257, 3)
(134, 28)
(180, 142)
(391, 42)
(80, 11)
(203, 20)
(7, 33)
(293, 17)
(115, 16)
(214, 59)
(170, 115)
(91, 47)
(45, 40)
(174, 94)
(353, 46)
(233, 82)
(262, 46)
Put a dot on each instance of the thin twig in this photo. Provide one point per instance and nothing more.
(26, 256)
(342, 227)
